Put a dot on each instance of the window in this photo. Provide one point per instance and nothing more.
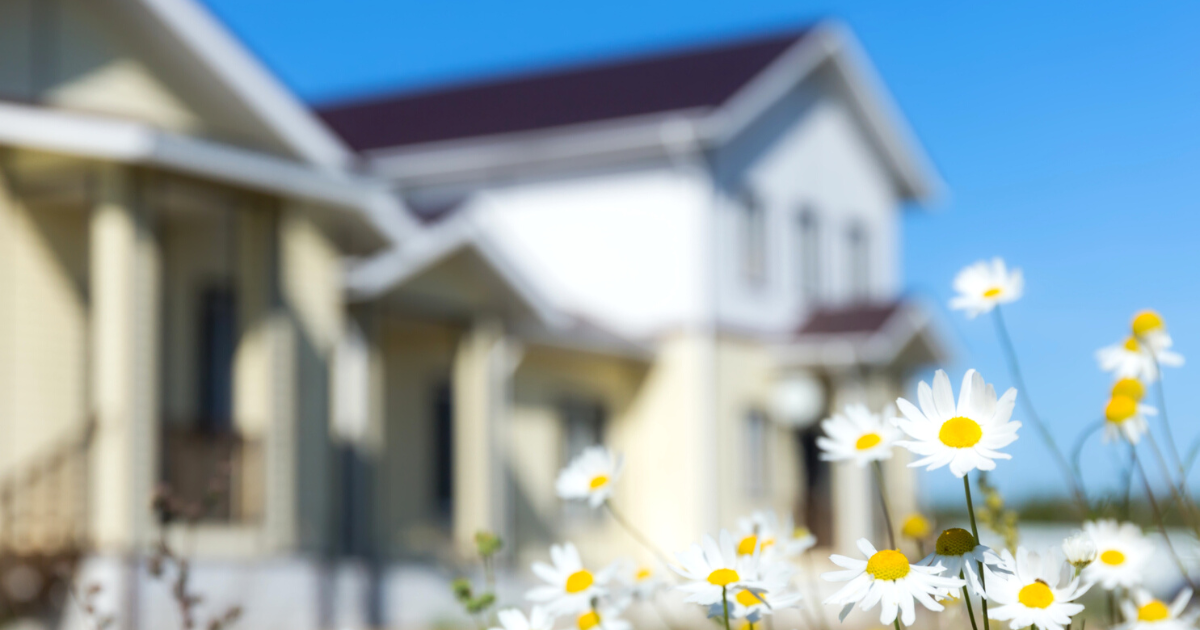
(808, 255)
(443, 449)
(757, 439)
(753, 236)
(583, 426)
(859, 262)
(218, 337)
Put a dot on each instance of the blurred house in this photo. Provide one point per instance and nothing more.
(355, 337)
(690, 256)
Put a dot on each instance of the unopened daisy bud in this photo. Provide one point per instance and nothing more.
(1080, 549)
(916, 527)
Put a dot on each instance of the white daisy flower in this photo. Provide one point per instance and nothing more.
(1039, 592)
(886, 576)
(983, 285)
(641, 582)
(763, 531)
(1125, 416)
(957, 551)
(858, 435)
(773, 594)
(1122, 554)
(514, 619)
(1080, 549)
(1149, 327)
(713, 569)
(1147, 613)
(590, 476)
(602, 618)
(571, 586)
(1133, 359)
(966, 437)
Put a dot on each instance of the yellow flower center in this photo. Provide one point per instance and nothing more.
(867, 441)
(723, 577)
(579, 581)
(800, 532)
(643, 574)
(1112, 557)
(887, 564)
(1145, 322)
(960, 432)
(1130, 388)
(954, 542)
(746, 545)
(589, 620)
(992, 292)
(1036, 595)
(599, 481)
(916, 526)
(1120, 409)
(748, 598)
(1153, 611)
(1131, 344)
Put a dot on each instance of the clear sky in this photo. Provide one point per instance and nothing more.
(1068, 134)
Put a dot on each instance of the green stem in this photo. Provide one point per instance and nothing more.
(896, 622)
(1162, 527)
(967, 601)
(637, 535)
(887, 513)
(1023, 391)
(725, 605)
(975, 532)
(1178, 493)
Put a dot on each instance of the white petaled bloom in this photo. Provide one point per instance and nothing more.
(1145, 612)
(1080, 549)
(983, 285)
(590, 476)
(1125, 415)
(772, 595)
(1134, 359)
(570, 587)
(1039, 592)
(857, 435)
(1121, 554)
(714, 569)
(641, 582)
(1149, 328)
(957, 551)
(967, 436)
(886, 576)
(514, 619)
(762, 530)
(602, 618)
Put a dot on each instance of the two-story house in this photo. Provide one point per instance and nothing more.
(690, 256)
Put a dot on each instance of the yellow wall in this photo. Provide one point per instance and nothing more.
(43, 325)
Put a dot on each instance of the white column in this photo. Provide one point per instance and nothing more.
(480, 382)
(124, 287)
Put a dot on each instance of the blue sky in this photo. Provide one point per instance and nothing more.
(1068, 134)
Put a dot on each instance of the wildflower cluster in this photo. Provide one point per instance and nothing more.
(749, 574)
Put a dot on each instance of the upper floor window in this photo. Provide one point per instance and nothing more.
(808, 255)
(858, 264)
(753, 237)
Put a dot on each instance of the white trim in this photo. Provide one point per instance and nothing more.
(647, 136)
(123, 141)
(207, 40)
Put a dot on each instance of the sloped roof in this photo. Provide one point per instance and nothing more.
(858, 318)
(701, 77)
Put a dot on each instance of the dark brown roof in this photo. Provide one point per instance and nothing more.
(681, 79)
(861, 318)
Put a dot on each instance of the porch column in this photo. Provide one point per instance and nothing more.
(124, 283)
(853, 487)
(480, 382)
